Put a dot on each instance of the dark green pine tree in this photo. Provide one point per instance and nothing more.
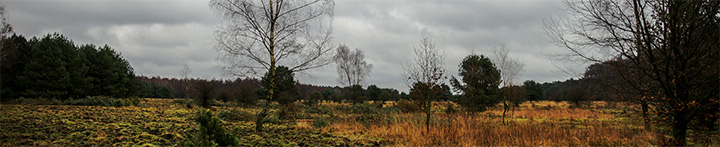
(534, 90)
(286, 91)
(109, 73)
(481, 80)
(53, 66)
(15, 51)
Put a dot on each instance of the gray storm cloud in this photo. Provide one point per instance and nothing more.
(159, 37)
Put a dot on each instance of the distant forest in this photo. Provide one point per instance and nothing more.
(54, 67)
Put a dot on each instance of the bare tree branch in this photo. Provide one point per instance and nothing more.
(351, 66)
(263, 35)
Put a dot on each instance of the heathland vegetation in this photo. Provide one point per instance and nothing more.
(654, 81)
(171, 122)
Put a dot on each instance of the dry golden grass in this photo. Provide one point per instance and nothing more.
(544, 124)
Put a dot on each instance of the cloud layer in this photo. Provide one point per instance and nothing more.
(159, 37)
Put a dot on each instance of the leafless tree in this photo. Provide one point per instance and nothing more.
(428, 65)
(509, 71)
(426, 75)
(259, 36)
(353, 69)
(185, 73)
(6, 27)
(4, 32)
(673, 44)
(351, 66)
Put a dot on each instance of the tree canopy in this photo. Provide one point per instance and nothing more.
(481, 80)
(54, 67)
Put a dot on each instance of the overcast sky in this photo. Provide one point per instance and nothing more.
(159, 37)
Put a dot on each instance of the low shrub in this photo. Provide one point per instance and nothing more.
(236, 115)
(372, 113)
(181, 101)
(364, 108)
(218, 104)
(288, 111)
(302, 106)
(450, 109)
(320, 122)
(104, 101)
(272, 119)
(319, 110)
(408, 106)
(36, 101)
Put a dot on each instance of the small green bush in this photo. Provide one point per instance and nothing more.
(211, 132)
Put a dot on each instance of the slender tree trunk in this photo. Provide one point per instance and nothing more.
(428, 106)
(645, 114)
(271, 92)
(261, 116)
(505, 109)
(427, 121)
(271, 88)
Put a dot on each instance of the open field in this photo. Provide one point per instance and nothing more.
(553, 124)
(159, 123)
(163, 122)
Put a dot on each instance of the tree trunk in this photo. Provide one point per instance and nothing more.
(271, 88)
(679, 129)
(506, 107)
(428, 106)
(427, 121)
(271, 92)
(645, 114)
(261, 116)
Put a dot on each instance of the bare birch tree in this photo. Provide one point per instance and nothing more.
(185, 73)
(5, 27)
(509, 71)
(426, 76)
(5, 31)
(674, 45)
(352, 70)
(259, 36)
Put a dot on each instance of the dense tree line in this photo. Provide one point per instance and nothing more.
(54, 67)
(248, 91)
